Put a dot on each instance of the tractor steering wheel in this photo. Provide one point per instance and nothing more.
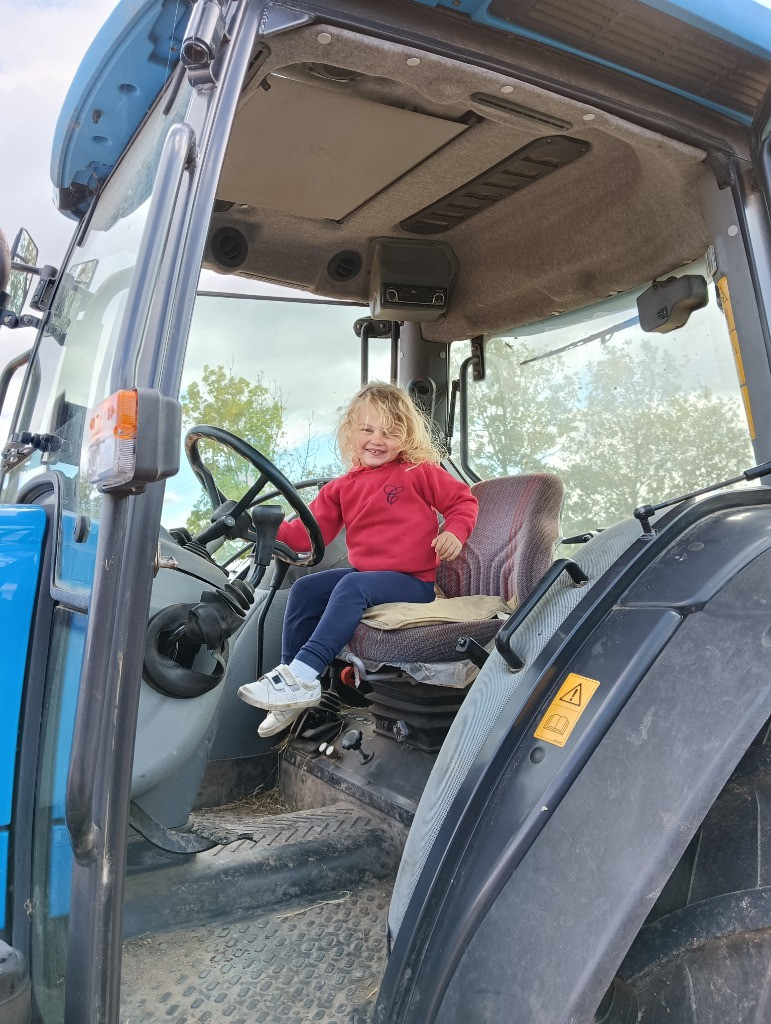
(232, 519)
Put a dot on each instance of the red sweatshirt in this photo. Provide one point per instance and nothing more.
(389, 514)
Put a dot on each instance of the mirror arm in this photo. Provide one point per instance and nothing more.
(25, 268)
(10, 320)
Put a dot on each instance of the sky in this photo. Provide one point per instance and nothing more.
(43, 43)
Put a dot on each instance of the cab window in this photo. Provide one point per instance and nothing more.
(275, 372)
(623, 417)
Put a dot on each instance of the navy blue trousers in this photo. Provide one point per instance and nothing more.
(324, 609)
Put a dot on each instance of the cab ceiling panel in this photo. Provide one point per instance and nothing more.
(636, 37)
(323, 154)
(596, 206)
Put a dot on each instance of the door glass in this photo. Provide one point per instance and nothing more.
(71, 369)
(624, 418)
(275, 372)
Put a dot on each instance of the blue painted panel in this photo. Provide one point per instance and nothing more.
(117, 82)
(22, 530)
(60, 875)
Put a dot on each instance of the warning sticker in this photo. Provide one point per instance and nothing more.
(565, 710)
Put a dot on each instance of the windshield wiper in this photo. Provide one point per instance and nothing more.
(602, 336)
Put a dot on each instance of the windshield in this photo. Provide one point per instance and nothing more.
(275, 372)
(623, 417)
(71, 369)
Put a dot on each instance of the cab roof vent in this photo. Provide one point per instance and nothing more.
(531, 163)
(344, 266)
(229, 247)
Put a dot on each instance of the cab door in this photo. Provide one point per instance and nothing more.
(118, 320)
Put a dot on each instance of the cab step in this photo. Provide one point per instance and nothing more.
(265, 863)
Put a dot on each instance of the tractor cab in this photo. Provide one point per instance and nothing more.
(556, 241)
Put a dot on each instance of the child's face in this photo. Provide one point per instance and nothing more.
(372, 446)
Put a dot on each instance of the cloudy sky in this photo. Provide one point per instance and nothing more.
(43, 44)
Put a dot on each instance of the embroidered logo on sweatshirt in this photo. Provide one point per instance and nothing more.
(392, 493)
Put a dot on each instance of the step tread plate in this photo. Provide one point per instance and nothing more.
(321, 960)
(230, 824)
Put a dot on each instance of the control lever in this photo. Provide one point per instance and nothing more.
(266, 520)
(352, 741)
(644, 512)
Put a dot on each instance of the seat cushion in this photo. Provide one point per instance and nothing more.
(408, 615)
(426, 644)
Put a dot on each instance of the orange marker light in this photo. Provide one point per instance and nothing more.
(112, 441)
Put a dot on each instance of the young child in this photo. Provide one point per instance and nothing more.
(387, 502)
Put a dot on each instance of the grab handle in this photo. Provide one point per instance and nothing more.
(515, 620)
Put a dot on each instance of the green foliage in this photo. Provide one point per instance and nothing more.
(252, 410)
(624, 430)
(521, 417)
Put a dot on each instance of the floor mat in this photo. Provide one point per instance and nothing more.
(318, 962)
(230, 824)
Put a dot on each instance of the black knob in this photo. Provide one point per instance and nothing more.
(352, 741)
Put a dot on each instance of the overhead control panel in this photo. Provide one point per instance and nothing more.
(410, 280)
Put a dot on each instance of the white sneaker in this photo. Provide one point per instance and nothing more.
(281, 690)
(277, 721)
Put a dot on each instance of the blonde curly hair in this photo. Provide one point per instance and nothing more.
(400, 418)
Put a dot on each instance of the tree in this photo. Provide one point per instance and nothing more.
(621, 432)
(643, 438)
(252, 410)
(520, 418)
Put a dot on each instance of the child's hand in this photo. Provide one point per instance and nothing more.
(447, 546)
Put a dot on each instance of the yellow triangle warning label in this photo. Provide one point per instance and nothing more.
(567, 706)
(573, 696)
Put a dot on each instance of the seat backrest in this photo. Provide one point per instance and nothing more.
(512, 544)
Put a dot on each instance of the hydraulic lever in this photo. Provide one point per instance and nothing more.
(644, 512)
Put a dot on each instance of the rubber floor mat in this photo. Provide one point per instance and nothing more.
(318, 962)
(226, 825)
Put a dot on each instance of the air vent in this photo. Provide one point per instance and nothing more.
(330, 73)
(344, 266)
(529, 164)
(508, 107)
(229, 248)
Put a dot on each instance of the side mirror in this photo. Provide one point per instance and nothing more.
(23, 254)
(668, 304)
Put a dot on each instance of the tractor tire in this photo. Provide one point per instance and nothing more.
(703, 955)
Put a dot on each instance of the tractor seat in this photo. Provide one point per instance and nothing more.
(510, 548)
